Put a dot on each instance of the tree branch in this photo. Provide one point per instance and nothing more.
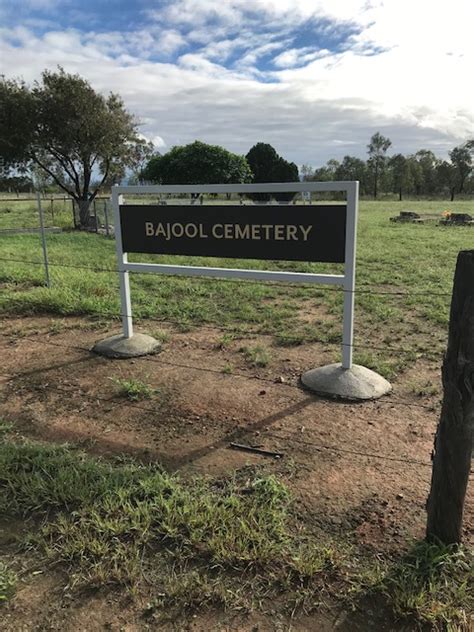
(62, 161)
(55, 178)
(102, 181)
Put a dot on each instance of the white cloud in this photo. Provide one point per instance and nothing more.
(316, 104)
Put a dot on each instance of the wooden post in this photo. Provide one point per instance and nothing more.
(454, 435)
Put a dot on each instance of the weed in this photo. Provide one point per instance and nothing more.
(134, 390)
(257, 356)
(7, 583)
(225, 340)
(161, 335)
(228, 369)
(424, 389)
(434, 583)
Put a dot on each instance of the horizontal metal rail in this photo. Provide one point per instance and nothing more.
(236, 273)
(296, 187)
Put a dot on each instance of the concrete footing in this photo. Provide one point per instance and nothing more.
(355, 384)
(121, 347)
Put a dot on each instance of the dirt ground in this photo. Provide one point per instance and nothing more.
(363, 468)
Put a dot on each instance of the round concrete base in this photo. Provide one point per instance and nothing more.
(120, 347)
(355, 384)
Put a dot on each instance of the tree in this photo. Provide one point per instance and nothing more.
(352, 168)
(461, 159)
(307, 172)
(425, 174)
(377, 149)
(71, 132)
(197, 163)
(268, 166)
(447, 177)
(402, 179)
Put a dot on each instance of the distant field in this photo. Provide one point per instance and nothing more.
(415, 259)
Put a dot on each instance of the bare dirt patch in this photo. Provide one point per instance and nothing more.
(362, 469)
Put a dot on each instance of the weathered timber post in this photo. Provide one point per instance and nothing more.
(454, 435)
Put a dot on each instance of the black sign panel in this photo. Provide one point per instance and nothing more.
(285, 233)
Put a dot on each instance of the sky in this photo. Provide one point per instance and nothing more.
(314, 78)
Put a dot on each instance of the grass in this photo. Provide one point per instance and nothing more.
(7, 583)
(134, 390)
(257, 356)
(234, 543)
(434, 584)
(418, 260)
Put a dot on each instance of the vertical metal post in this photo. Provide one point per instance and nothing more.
(106, 216)
(95, 217)
(122, 259)
(349, 274)
(43, 239)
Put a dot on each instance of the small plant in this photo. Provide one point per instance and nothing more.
(7, 583)
(257, 356)
(134, 390)
(424, 389)
(433, 583)
(227, 369)
(225, 340)
(161, 335)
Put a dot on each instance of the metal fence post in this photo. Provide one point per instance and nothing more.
(122, 259)
(43, 239)
(106, 216)
(349, 275)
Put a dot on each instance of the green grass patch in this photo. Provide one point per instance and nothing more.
(133, 389)
(415, 259)
(433, 584)
(7, 583)
(257, 356)
(235, 543)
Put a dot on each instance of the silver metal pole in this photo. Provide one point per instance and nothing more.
(106, 216)
(43, 239)
(122, 259)
(349, 275)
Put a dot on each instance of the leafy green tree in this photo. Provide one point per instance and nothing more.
(197, 163)
(402, 177)
(377, 149)
(73, 133)
(461, 159)
(447, 177)
(425, 174)
(268, 166)
(307, 172)
(352, 168)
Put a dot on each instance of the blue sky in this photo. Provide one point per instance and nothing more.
(316, 78)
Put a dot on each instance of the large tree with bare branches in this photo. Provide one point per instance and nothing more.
(76, 135)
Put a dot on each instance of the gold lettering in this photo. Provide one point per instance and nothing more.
(160, 230)
(202, 234)
(279, 232)
(305, 231)
(228, 231)
(149, 229)
(242, 232)
(177, 230)
(291, 232)
(214, 231)
(267, 228)
(191, 230)
(255, 231)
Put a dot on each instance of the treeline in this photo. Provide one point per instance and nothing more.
(421, 174)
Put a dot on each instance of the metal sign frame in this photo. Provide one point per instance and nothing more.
(346, 280)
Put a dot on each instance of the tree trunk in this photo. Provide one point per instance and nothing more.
(454, 436)
(400, 194)
(452, 194)
(85, 218)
